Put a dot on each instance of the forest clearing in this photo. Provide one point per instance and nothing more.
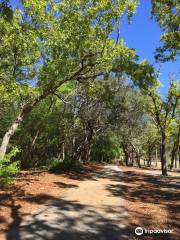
(89, 119)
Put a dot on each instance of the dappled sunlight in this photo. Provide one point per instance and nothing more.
(152, 201)
(85, 211)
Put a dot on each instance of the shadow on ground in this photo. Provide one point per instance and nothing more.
(74, 221)
(62, 219)
(87, 172)
(143, 189)
(71, 221)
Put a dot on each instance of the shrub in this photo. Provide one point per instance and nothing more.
(54, 164)
(8, 169)
(59, 164)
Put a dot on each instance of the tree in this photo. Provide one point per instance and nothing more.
(50, 43)
(149, 140)
(174, 132)
(126, 112)
(6, 10)
(166, 13)
(163, 112)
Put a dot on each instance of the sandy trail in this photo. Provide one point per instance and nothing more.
(88, 211)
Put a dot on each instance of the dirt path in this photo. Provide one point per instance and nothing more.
(86, 211)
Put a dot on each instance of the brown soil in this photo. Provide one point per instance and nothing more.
(86, 210)
(152, 201)
(32, 189)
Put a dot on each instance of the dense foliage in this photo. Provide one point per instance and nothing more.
(167, 14)
(72, 94)
(8, 169)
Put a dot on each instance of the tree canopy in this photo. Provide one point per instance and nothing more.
(72, 92)
(166, 13)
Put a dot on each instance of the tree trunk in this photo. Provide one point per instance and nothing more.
(73, 147)
(126, 154)
(127, 159)
(174, 150)
(9, 134)
(135, 152)
(19, 119)
(88, 154)
(88, 144)
(149, 159)
(132, 157)
(163, 154)
(63, 152)
(173, 153)
(34, 140)
(156, 156)
(138, 159)
(175, 161)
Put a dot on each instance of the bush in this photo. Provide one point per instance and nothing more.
(8, 169)
(54, 164)
(59, 164)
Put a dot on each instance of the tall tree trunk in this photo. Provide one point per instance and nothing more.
(175, 161)
(135, 152)
(26, 109)
(35, 138)
(132, 157)
(88, 144)
(175, 149)
(173, 154)
(138, 158)
(73, 147)
(88, 154)
(126, 154)
(63, 151)
(163, 154)
(87, 151)
(9, 134)
(156, 156)
(149, 158)
(127, 158)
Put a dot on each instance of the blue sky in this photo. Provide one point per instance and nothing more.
(144, 35)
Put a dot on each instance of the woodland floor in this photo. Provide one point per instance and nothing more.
(96, 202)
